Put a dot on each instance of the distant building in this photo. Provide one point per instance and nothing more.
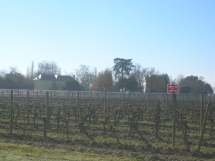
(49, 81)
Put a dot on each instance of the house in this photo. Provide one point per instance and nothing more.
(50, 81)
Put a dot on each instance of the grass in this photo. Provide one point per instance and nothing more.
(127, 141)
(59, 135)
(146, 127)
(10, 152)
(207, 150)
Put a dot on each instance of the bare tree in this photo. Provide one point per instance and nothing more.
(32, 75)
(179, 78)
(103, 81)
(48, 68)
(141, 73)
(27, 73)
(14, 70)
(85, 76)
(3, 73)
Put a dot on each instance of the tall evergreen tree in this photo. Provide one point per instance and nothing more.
(122, 68)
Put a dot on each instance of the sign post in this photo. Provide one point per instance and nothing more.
(173, 89)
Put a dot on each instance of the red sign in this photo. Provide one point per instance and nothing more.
(172, 88)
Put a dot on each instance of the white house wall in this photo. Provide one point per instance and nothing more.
(46, 84)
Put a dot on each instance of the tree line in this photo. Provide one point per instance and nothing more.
(123, 76)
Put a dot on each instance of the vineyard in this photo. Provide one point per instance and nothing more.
(123, 123)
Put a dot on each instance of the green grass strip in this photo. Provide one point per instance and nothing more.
(11, 152)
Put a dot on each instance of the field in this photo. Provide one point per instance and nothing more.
(65, 125)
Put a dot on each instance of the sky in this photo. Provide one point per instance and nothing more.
(176, 37)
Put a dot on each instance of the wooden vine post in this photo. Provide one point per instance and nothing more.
(149, 100)
(173, 118)
(47, 110)
(203, 126)
(167, 108)
(122, 105)
(45, 126)
(105, 110)
(129, 103)
(201, 112)
(28, 106)
(183, 107)
(11, 111)
(173, 89)
(78, 109)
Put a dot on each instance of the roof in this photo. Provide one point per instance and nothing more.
(53, 77)
(46, 77)
(63, 77)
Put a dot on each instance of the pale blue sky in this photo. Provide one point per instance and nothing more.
(173, 36)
